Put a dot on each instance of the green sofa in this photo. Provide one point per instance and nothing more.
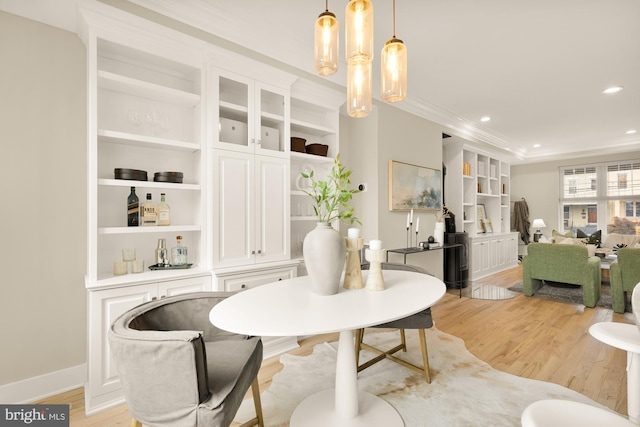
(624, 276)
(564, 264)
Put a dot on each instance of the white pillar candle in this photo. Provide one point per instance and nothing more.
(418, 225)
(375, 245)
(407, 219)
(353, 233)
(411, 216)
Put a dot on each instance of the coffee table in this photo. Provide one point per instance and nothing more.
(289, 308)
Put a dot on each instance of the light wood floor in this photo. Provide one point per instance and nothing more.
(529, 337)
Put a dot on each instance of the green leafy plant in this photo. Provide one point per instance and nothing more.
(331, 197)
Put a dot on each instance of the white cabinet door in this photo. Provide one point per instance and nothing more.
(493, 247)
(272, 202)
(251, 209)
(233, 208)
(253, 117)
(105, 306)
(476, 258)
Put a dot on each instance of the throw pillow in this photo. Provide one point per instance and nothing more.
(594, 238)
(567, 240)
(556, 236)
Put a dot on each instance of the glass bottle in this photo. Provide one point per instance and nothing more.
(162, 255)
(133, 209)
(164, 211)
(179, 253)
(149, 212)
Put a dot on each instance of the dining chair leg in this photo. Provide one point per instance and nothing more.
(255, 390)
(258, 420)
(358, 344)
(425, 355)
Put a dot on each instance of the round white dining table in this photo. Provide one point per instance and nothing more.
(289, 308)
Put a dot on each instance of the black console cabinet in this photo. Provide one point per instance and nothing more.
(456, 260)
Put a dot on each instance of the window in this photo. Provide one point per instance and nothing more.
(601, 197)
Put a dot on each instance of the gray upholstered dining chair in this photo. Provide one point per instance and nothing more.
(419, 321)
(177, 369)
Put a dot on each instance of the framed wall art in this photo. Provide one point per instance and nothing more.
(481, 216)
(414, 187)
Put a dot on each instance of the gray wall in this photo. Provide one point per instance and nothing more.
(391, 134)
(538, 184)
(43, 193)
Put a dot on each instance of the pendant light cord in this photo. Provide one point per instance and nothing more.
(393, 17)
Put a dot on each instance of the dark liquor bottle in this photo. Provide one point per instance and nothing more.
(133, 209)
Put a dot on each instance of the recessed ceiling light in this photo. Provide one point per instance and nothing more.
(630, 131)
(537, 145)
(485, 119)
(613, 89)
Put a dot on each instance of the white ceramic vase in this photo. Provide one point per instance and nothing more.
(438, 233)
(324, 253)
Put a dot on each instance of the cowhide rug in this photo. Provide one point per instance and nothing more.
(464, 390)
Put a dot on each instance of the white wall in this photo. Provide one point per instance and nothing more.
(538, 183)
(43, 193)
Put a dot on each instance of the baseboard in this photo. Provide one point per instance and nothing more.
(43, 386)
(275, 346)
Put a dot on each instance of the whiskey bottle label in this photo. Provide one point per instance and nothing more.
(133, 210)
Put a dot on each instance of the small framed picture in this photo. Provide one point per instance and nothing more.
(486, 224)
(481, 214)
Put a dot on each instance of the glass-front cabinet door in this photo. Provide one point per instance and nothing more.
(251, 117)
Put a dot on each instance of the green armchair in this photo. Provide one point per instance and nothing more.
(564, 264)
(624, 276)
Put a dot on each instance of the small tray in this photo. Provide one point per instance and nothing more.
(297, 144)
(317, 149)
(175, 177)
(130, 174)
(169, 267)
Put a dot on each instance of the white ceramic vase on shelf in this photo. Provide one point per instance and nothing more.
(438, 233)
(324, 254)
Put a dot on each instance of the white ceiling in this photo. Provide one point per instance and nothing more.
(537, 68)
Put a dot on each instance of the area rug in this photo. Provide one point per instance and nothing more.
(464, 390)
(490, 292)
(568, 293)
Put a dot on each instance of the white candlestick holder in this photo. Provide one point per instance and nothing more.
(375, 281)
(353, 271)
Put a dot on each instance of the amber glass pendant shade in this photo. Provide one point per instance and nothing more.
(327, 33)
(393, 71)
(359, 102)
(359, 31)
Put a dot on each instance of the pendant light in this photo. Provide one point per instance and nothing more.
(359, 102)
(359, 31)
(393, 67)
(327, 33)
(359, 55)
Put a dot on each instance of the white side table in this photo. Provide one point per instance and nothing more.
(625, 337)
(289, 308)
(565, 413)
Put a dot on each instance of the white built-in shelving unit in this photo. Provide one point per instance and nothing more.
(163, 101)
(477, 185)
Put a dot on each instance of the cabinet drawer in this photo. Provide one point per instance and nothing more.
(251, 281)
